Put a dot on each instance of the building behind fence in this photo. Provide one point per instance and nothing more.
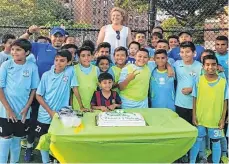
(96, 13)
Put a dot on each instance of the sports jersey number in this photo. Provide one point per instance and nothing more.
(217, 133)
(0, 129)
(38, 129)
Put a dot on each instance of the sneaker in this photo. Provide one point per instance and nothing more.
(203, 160)
(184, 159)
(208, 152)
(24, 143)
(224, 159)
(28, 154)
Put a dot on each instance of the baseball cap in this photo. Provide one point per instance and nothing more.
(55, 30)
(185, 32)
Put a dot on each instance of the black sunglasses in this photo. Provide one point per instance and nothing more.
(118, 35)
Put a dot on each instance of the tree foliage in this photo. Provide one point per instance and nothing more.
(188, 13)
(28, 12)
(173, 28)
(130, 5)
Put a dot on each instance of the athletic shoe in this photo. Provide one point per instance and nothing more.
(28, 154)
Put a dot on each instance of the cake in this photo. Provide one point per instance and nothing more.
(120, 118)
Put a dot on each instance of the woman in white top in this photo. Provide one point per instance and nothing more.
(115, 33)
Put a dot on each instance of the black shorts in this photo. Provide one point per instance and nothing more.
(184, 113)
(41, 129)
(17, 129)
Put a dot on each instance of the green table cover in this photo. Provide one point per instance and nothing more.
(166, 138)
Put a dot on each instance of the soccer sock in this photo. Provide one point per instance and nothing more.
(216, 150)
(15, 149)
(208, 142)
(45, 156)
(29, 145)
(202, 153)
(195, 149)
(4, 149)
(223, 142)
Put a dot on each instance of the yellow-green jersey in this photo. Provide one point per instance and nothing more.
(210, 96)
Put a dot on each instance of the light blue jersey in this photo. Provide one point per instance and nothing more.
(126, 103)
(30, 57)
(186, 75)
(162, 92)
(223, 61)
(17, 81)
(151, 51)
(3, 57)
(171, 61)
(87, 70)
(110, 71)
(55, 90)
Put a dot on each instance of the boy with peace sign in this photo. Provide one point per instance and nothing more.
(134, 80)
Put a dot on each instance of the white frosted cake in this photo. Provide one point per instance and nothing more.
(120, 118)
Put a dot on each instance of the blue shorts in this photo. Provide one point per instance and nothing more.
(213, 133)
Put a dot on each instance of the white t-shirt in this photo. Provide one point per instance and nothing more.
(111, 37)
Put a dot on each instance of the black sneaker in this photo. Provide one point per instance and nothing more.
(28, 154)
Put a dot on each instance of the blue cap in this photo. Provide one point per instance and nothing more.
(57, 30)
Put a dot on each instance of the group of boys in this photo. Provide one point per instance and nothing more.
(174, 74)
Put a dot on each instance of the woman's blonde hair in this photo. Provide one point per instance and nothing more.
(123, 13)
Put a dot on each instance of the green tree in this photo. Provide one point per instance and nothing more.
(174, 28)
(170, 24)
(129, 5)
(188, 13)
(27, 12)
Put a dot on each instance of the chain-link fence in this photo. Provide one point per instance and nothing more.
(204, 19)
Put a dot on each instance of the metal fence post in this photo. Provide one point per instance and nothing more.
(152, 16)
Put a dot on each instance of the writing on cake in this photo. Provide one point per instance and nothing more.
(120, 119)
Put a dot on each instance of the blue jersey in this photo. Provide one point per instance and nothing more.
(55, 90)
(175, 53)
(130, 60)
(223, 61)
(17, 81)
(186, 75)
(162, 92)
(45, 55)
